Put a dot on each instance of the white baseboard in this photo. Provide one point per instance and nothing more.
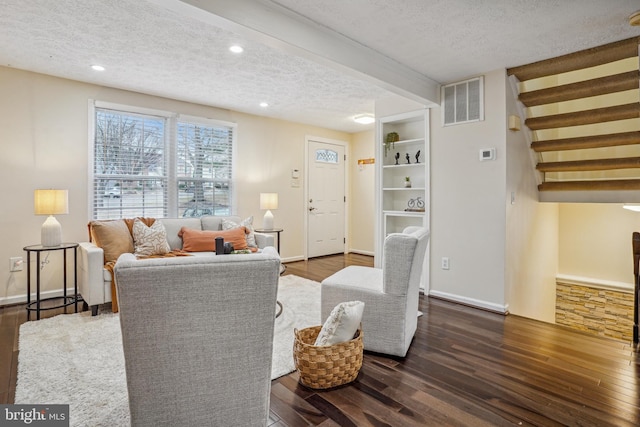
(486, 305)
(361, 252)
(292, 259)
(21, 299)
(594, 283)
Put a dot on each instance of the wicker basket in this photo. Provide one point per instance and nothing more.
(323, 367)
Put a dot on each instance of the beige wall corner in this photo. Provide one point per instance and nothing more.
(362, 194)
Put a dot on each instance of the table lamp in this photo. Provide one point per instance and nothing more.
(51, 202)
(268, 201)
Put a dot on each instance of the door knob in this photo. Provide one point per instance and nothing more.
(311, 208)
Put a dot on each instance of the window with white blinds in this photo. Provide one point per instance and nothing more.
(204, 168)
(160, 165)
(130, 165)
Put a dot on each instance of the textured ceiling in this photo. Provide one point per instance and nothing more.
(449, 40)
(147, 48)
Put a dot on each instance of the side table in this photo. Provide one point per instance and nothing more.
(271, 230)
(283, 267)
(66, 300)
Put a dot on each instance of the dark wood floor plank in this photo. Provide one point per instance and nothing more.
(568, 400)
(296, 404)
(365, 407)
(417, 397)
(353, 418)
(8, 338)
(480, 393)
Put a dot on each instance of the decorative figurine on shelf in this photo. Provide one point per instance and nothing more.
(408, 158)
(418, 157)
(397, 157)
(415, 205)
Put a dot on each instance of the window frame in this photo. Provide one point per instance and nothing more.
(170, 147)
(212, 123)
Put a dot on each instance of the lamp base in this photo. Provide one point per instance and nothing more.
(267, 221)
(51, 232)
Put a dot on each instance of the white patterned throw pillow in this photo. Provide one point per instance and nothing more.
(342, 323)
(248, 223)
(149, 241)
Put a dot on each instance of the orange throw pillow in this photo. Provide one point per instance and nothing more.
(205, 240)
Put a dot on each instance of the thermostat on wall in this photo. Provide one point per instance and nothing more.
(487, 154)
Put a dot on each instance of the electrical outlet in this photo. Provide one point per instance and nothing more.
(15, 263)
(445, 263)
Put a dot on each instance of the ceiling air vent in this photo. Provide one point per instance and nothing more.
(462, 102)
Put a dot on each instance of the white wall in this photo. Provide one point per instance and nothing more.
(532, 231)
(503, 256)
(44, 142)
(361, 195)
(467, 204)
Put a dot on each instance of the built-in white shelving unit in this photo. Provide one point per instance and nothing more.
(399, 206)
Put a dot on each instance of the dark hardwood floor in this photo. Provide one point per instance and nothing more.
(469, 367)
(466, 367)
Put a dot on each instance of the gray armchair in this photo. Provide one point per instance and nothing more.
(197, 334)
(390, 294)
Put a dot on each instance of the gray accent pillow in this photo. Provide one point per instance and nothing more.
(227, 224)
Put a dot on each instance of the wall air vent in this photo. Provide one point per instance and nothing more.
(463, 102)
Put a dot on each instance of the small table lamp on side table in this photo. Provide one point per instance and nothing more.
(51, 202)
(268, 201)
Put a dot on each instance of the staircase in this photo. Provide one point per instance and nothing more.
(583, 112)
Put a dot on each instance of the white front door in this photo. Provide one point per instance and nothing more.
(326, 198)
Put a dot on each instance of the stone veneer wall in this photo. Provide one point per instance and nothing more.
(602, 312)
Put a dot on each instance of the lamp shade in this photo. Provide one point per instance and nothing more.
(268, 200)
(50, 202)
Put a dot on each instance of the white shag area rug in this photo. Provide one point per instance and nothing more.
(77, 359)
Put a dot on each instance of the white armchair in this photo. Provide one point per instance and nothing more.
(390, 294)
(197, 335)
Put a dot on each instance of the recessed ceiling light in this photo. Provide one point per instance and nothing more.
(236, 49)
(364, 119)
(97, 67)
(264, 104)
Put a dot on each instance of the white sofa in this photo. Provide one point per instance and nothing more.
(197, 336)
(94, 281)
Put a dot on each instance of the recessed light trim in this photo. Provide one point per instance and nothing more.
(364, 119)
(97, 67)
(236, 48)
(264, 104)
